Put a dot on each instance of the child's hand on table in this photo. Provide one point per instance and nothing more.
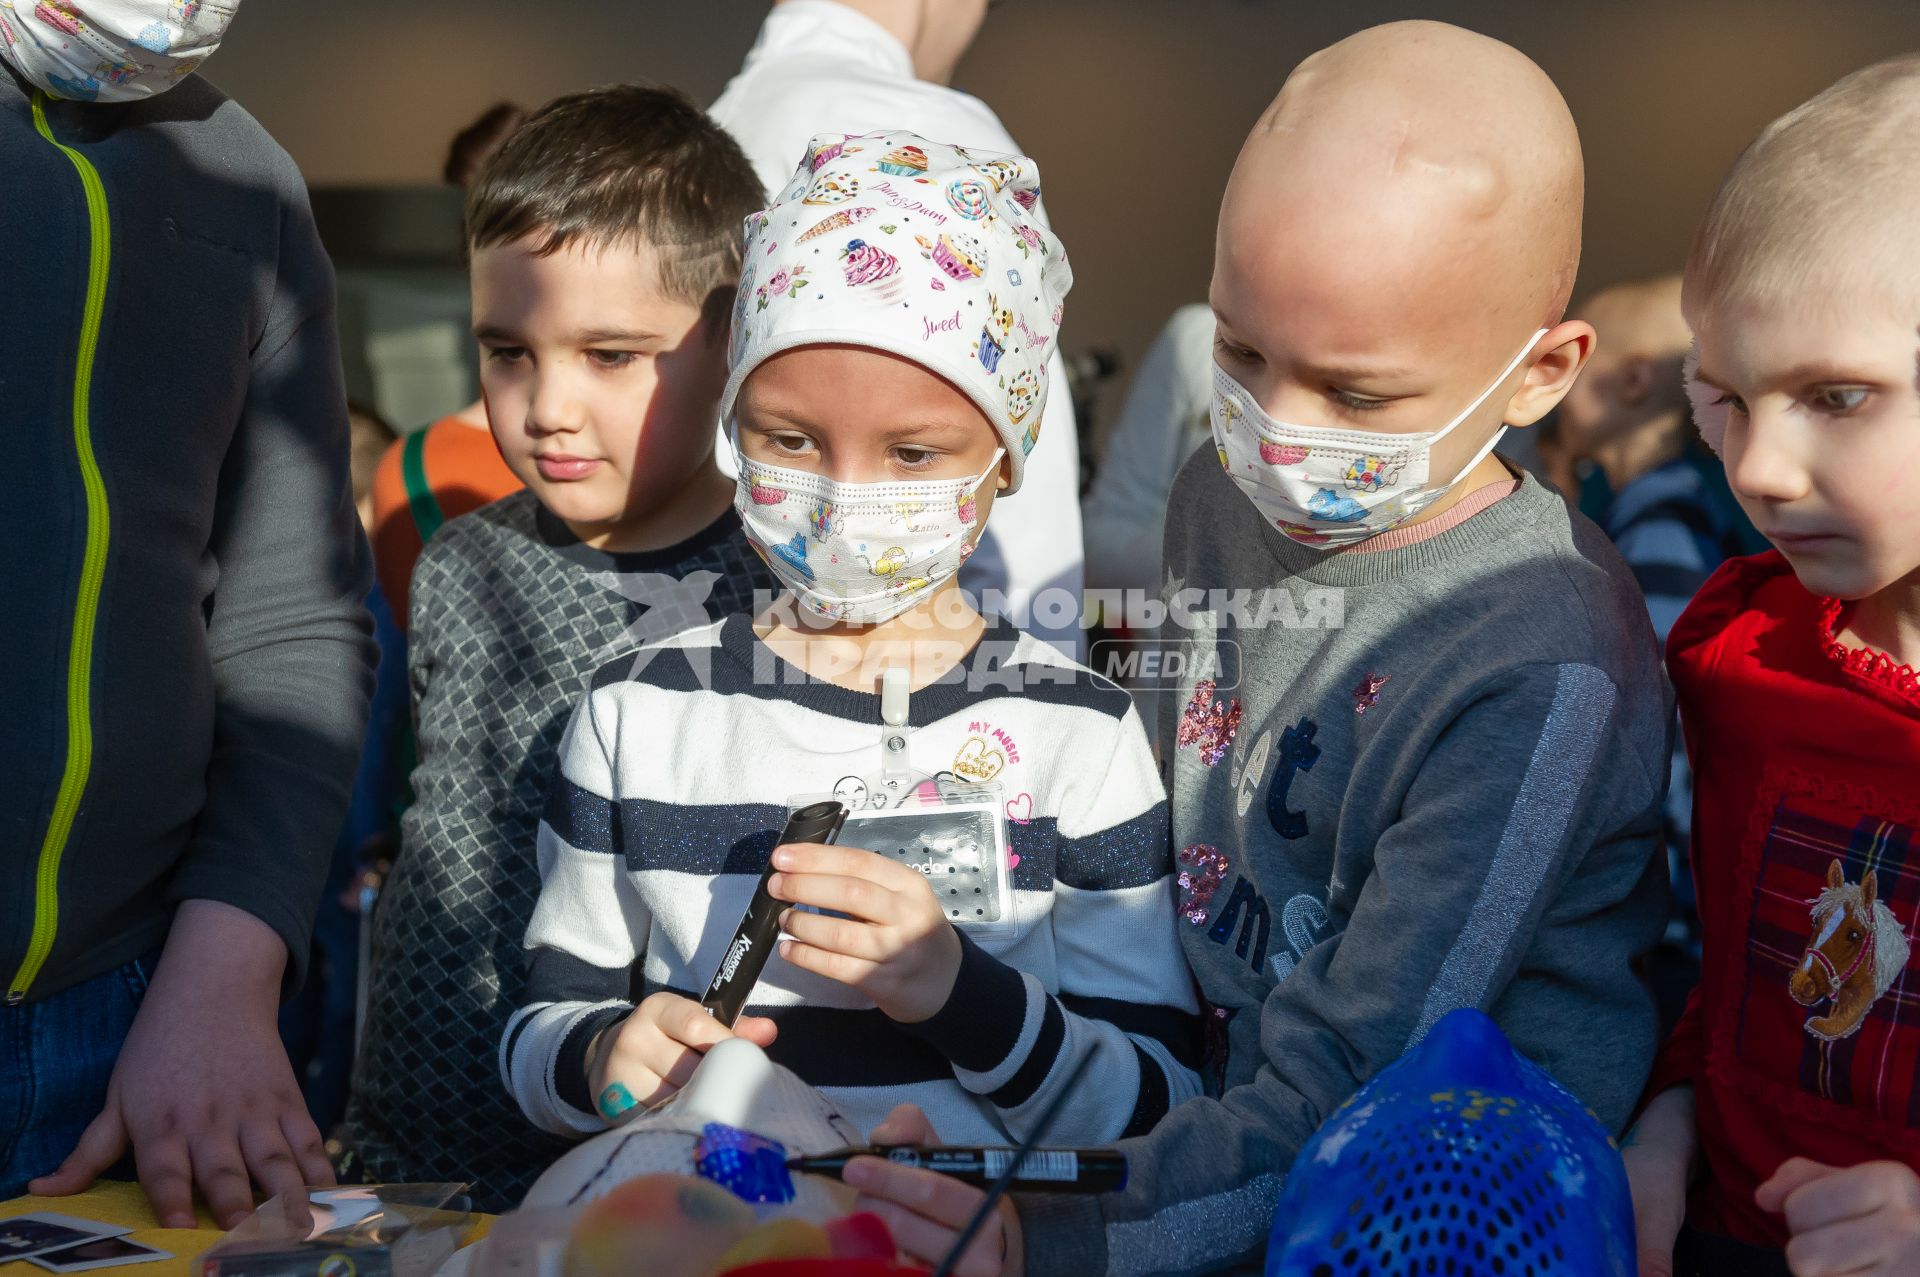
(636, 1062)
(896, 945)
(1862, 1221)
(926, 1211)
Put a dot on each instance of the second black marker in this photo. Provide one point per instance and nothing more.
(752, 944)
(1046, 1170)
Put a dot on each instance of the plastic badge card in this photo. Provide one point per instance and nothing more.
(953, 832)
(376, 1230)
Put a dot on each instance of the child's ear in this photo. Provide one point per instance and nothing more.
(1006, 474)
(1562, 352)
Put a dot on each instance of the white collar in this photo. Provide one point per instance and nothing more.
(800, 27)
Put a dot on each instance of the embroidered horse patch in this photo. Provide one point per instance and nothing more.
(1855, 953)
(1807, 1016)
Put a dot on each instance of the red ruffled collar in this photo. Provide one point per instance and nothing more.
(1865, 663)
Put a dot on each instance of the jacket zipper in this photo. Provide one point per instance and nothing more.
(86, 607)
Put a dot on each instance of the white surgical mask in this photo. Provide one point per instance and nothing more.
(110, 50)
(1330, 488)
(858, 552)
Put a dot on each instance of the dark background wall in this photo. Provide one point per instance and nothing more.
(1134, 108)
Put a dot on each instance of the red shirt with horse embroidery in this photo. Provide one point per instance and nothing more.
(1804, 1035)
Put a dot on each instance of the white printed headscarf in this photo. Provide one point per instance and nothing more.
(926, 251)
(110, 50)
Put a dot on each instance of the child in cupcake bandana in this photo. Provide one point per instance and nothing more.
(872, 441)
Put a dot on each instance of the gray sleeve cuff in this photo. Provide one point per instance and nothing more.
(1061, 1234)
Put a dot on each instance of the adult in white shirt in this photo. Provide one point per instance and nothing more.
(854, 66)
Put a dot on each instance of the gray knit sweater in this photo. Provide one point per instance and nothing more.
(510, 617)
(1431, 779)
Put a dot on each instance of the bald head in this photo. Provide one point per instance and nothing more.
(1411, 203)
(1450, 151)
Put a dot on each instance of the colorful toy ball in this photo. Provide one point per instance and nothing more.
(665, 1225)
(1460, 1157)
(669, 1225)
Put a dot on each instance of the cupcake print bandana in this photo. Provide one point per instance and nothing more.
(939, 254)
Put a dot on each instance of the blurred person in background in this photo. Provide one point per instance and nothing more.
(1628, 415)
(443, 470)
(1163, 420)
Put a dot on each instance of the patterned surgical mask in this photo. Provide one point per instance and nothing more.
(1332, 488)
(110, 50)
(859, 552)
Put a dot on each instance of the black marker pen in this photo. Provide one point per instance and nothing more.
(746, 954)
(1056, 1170)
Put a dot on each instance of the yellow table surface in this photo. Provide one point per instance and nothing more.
(125, 1205)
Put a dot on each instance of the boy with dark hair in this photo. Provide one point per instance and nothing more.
(605, 248)
(1628, 415)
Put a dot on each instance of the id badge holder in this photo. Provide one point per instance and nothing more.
(954, 832)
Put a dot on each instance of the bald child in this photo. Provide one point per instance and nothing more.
(1444, 790)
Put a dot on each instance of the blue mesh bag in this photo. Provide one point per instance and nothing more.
(1460, 1159)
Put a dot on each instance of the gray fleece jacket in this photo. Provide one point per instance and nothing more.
(1422, 778)
(188, 661)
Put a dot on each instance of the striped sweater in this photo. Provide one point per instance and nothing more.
(674, 779)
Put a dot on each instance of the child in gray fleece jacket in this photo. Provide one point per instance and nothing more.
(1420, 760)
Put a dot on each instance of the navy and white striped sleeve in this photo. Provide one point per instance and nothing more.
(1670, 561)
(582, 936)
(1126, 996)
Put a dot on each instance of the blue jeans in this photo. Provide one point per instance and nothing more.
(56, 1057)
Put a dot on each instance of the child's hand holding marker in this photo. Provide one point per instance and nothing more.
(639, 1061)
(895, 945)
(926, 1210)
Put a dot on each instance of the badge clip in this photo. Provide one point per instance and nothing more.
(896, 734)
